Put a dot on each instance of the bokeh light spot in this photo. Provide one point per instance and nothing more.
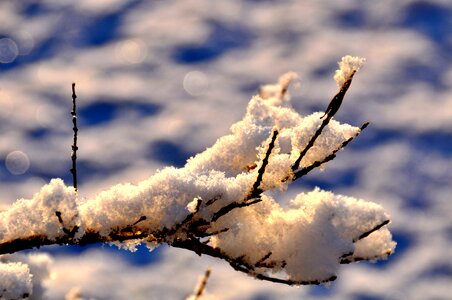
(196, 83)
(131, 51)
(8, 50)
(17, 162)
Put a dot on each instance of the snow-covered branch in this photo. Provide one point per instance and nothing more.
(219, 203)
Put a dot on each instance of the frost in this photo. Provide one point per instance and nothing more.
(310, 236)
(193, 206)
(15, 279)
(347, 67)
(33, 270)
(37, 217)
(277, 93)
(218, 203)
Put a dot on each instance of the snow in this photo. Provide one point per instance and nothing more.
(318, 228)
(400, 162)
(37, 269)
(347, 67)
(16, 281)
(36, 217)
(305, 241)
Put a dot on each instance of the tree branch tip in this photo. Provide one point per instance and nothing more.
(74, 138)
(367, 233)
(142, 218)
(364, 126)
(202, 284)
(260, 262)
(58, 215)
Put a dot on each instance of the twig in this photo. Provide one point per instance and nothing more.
(74, 144)
(301, 172)
(256, 190)
(367, 233)
(69, 232)
(260, 262)
(226, 209)
(336, 102)
(332, 109)
(254, 195)
(202, 285)
(142, 218)
(187, 219)
(348, 257)
(130, 228)
(238, 263)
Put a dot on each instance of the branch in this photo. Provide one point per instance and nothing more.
(239, 264)
(202, 285)
(74, 145)
(254, 195)
(90, 237)
(301, 172)
(367, 233)
(197, 229)
(348, 258)
(257, 190)
(226, 209)
(332, 109)
(336, 102)
(260, 262)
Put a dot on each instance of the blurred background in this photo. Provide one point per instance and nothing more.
(159, 81)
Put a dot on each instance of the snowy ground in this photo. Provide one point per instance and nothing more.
(159, 81)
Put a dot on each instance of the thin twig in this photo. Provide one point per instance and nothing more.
(254, 195)
(142, 218)
(257, 190)
(260, 262)
(202, 285)
(332, 109)
(69, 232)
(187, 219)
(226, 209)
(367, 233)
(350, 259)
(301, 172)
(336, 102)
(130, 228)
(74, 144)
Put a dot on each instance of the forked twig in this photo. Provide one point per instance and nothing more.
(254, 195)
(331, 110)
(301, 172)
(348, 257)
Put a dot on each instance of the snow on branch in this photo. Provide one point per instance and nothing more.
(218, 204)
